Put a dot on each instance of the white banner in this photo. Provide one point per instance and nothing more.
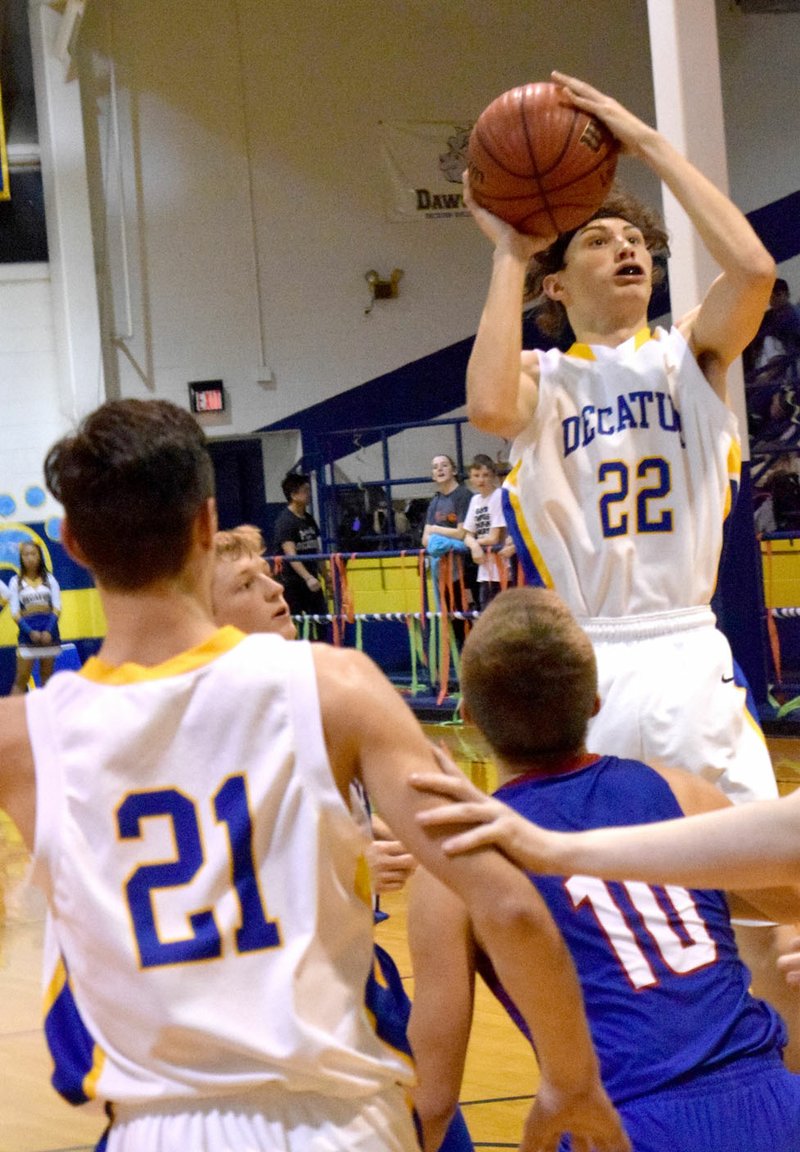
(423, 161)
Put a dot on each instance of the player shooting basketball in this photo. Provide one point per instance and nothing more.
(626, 457)
(630, 437)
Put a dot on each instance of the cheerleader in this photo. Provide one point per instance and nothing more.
(35, 599)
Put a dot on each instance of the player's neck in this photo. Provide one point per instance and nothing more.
(609, 337)
(544, 767)
(610, 328)
(154, 624)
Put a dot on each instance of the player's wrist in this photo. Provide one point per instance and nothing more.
(653, 148)
(512, 253)
(559, 850)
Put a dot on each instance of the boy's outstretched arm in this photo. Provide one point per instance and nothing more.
(754, 845)
(696, 795)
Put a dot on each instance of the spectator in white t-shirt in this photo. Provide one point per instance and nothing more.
(485, 527)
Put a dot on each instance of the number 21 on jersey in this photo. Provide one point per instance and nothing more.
(203, 941)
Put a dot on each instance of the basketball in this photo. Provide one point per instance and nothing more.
(538, 162)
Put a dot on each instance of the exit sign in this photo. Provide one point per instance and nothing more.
(207, 396)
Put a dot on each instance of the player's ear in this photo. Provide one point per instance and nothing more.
(552, 286)
(597, 703)
(206, 523)
(71, 545)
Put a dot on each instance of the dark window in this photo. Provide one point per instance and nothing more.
(23, 235)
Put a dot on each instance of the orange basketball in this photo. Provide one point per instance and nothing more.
(538, 162)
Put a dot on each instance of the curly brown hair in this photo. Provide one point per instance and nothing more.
(550, 315)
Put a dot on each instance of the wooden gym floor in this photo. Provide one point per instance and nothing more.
(501, 1073)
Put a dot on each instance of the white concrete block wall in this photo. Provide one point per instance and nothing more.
(29, 389)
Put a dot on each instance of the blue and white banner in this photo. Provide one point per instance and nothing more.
(423, 161)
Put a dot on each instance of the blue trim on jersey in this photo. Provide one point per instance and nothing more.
(739, 597)
(71, 1047)
(388, 1002)
(532, 575)
(741, 681)
(735, 489)
(390, 1006)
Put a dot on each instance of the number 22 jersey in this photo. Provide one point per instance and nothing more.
(622, 481)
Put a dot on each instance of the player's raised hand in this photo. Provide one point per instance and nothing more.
(587, 1114)
(627, 128)
(503, 235)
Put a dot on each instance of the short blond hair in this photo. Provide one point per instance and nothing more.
(233, 543)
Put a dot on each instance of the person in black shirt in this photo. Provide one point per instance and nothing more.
(297, 534)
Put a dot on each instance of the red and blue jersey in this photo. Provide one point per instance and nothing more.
(666, 994)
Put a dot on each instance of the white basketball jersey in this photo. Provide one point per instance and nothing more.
(205, 879)
(621, 483)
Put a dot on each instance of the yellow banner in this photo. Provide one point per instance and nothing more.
(5, 190)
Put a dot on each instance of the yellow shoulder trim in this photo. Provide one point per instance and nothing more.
(223, 640)
(585, 352)
(581, 351)
(735, 460)
(734, 475)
